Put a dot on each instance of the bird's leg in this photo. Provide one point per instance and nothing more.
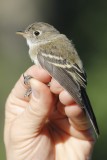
(26, 82)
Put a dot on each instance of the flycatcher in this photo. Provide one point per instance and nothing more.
(56, 54)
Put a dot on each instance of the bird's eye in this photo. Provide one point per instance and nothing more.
(36, 33)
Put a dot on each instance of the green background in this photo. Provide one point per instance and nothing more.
(85, 22)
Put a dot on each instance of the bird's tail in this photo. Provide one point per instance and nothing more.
(89, 111)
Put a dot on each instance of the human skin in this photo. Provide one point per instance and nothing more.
(47, 125)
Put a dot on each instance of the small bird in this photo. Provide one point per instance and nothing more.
(57, 54)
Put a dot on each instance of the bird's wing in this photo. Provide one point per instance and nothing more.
(71, 79)
(62, 73)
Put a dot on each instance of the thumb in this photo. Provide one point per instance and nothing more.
(31, 121)
(41, 103)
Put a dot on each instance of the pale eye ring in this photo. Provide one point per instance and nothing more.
(36, 33)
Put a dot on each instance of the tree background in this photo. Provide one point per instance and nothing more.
(85, 22)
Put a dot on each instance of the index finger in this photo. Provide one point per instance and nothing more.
(35, 72)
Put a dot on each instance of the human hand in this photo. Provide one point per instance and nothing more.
(48, 125)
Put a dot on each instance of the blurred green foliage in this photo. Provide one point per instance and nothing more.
(85, 22)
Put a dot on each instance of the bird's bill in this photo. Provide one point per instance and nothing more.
(21, 33)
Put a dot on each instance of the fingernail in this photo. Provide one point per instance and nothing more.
(36, 93)
(35, 89)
